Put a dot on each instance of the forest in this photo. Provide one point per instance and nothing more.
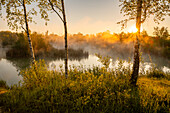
(104, 72)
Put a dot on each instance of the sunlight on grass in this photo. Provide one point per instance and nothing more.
(96, 89)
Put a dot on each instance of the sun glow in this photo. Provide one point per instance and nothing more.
(133, 29)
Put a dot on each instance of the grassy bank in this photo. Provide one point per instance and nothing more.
(3, 87)
(86, 90)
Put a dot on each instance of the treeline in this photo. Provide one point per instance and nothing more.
(116, 44)
(120, 44)
(19, 48)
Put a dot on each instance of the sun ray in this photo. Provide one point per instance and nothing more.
(133, 29)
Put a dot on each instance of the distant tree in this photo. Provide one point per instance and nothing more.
(17, 17)
(122, 36)
(58, 7)
(141, 10)
(144, 33)
(161, 33)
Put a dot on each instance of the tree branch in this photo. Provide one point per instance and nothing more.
(15, 6)
(52, 6)
(23, 28)
(59, 8)
(20, 2)
(145, 11)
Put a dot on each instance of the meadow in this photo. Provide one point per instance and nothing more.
(93, 90)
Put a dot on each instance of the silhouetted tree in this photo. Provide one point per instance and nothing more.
(144, 33)
(161, 33)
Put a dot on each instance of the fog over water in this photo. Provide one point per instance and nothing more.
(9, 68)
(105, 44)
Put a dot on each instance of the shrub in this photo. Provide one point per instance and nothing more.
(3, 84)
(85, 90)
(156, 73)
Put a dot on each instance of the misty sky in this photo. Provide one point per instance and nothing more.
(89, 16)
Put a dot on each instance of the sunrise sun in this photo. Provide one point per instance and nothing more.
(133, 29)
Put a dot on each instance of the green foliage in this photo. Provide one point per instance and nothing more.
(40, 44)
(20, 48)
(161, 33)
(166, 52)
(85, 90)
(158, 8)
(104, 60)
(3, 84)
(52, 6)
(157, 74)
(15, 14)
(7, 38)
(111, 43)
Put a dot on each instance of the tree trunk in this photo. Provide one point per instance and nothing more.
(28, 35)
(136, 62)
(66, 45)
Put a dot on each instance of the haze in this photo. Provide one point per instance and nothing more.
(89, 17)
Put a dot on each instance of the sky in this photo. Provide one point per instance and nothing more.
(89, 17)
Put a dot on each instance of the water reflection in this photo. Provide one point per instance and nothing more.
(9, 68)
(87, 63)
(8, 72)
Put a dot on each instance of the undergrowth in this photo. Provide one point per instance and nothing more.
(3, 84)
(94, 90)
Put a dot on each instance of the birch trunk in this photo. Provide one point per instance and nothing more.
(66, 45)
(136, 62)
(28, 35)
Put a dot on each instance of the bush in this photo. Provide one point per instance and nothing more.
(7, 38)
(85, 90)
(157, 74)
(42, 48)
(3, 84)
(20, 48)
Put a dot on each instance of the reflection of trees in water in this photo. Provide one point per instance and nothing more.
(78, 55)
(123, 52)
(74, 54)
(21, 63)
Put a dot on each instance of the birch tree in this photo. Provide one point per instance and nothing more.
(141, 10)
(18, 17)
(1, 8)
(57, 7)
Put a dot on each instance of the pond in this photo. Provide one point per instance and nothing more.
(10, 68)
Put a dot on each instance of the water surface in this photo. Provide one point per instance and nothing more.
(10, 68)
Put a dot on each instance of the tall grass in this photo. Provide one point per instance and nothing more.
(3, 84)
(92, 90)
